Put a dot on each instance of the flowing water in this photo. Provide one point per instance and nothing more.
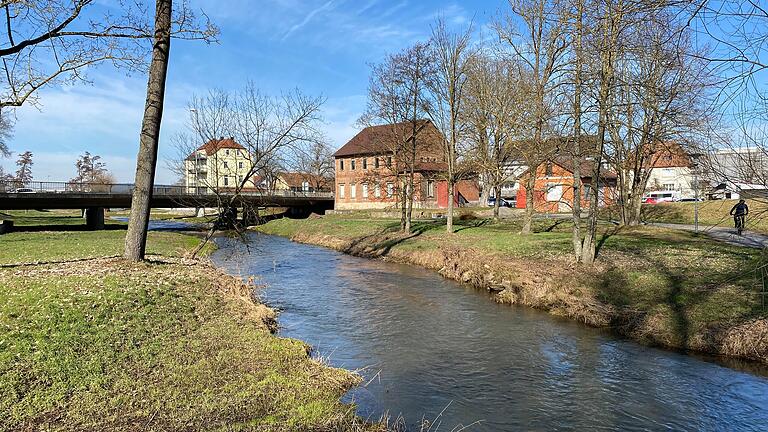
(430, 346)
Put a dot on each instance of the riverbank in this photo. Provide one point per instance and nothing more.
(660, 287)
(88, 342)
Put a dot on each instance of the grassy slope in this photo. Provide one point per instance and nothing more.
(169, 345)
(711, 213)
(661, 286)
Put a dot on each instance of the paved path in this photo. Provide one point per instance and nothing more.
(727, 235)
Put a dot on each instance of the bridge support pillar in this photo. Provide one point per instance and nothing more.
(6, 227)
(94, 218)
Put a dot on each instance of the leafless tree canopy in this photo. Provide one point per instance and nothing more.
(55, 41)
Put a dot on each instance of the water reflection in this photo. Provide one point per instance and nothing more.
(427, 343)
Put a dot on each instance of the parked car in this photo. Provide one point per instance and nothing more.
(24, 190)
(658, 197)
(690, 200)
(502, 202)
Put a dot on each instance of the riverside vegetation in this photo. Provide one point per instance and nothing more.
(95, 343)
(658, 286)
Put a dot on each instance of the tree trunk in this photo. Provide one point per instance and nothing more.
(409, 210)
(497, 191)
(146, 161)
(576, 216)
(530, 190)
(449, 216)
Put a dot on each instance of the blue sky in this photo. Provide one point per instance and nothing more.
(323, 47)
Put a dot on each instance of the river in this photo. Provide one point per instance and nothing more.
(436, 350)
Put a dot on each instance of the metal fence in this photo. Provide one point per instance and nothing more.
(52, 187)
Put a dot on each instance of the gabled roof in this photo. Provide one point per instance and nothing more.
(586, 166)
(297, 179)
(379, 139)
(215, 145)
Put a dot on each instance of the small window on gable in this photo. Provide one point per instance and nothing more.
(341, 165)
(365, 163)
(376, 162)
(352, 164)
(389, 161)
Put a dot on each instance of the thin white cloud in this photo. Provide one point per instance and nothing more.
(308, 18)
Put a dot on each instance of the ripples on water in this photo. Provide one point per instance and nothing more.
(427, 343)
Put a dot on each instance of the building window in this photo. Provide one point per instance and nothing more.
(352, 164)
(226, 181)
(226, 152)
(586, 188)
(226, 165)
(554, 192)
(389, 161)
(341, 190)
(365, 163)
(668, 186)
(390, 190)
(353, 189)
(239, 164)
(365, 190)
(239, 179)
(430, 188)
(341, 165)
(376, 162)
(377, 191)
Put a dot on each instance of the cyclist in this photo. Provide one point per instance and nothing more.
(739, 213)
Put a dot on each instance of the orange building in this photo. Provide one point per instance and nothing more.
(370, 174)
(553, 191)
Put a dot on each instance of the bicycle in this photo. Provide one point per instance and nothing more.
(740, 221)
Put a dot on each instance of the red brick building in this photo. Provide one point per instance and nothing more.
(370, 174)
(553, 191)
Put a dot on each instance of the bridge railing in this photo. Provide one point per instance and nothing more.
(15, 187)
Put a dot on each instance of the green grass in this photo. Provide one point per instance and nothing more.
(26, 218)
(711, 213)
(20, 247)
(689, 281)
(169, 345)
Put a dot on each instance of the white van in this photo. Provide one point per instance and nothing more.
(661, 196)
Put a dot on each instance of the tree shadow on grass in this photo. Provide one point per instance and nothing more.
(381, 242)
(465, 225)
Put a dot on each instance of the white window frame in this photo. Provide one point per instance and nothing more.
(390, 190)
(554, 192)
(342, 190)
(365, 190)
(377, 190)
(353, 190)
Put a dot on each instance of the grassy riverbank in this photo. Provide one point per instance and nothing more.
(171, 344)
(662, 287)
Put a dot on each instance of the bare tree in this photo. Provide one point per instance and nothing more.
(55, 41)
(397, 96)
(24, 172)
(146, 161)
(166, 23)
(315, 165)
(274, 131)
(495, 110)
(661, 88)
(452, 54)
(542, 51)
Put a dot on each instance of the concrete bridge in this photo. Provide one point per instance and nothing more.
(94, 198)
